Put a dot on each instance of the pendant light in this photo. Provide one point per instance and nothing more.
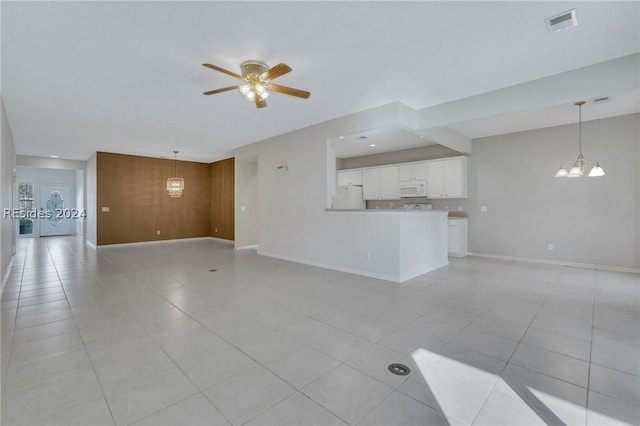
(577, 167)
(175, 184)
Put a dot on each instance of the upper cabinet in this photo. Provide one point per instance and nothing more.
(380, 183)
(447, 178)
(415, 171)
(349, 177)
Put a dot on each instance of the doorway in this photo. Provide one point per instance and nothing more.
(55, 202)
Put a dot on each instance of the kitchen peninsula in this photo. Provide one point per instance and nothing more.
(395, 245)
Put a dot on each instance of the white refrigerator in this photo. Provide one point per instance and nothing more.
(350, 197)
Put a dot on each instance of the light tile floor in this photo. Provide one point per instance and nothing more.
(146, 334)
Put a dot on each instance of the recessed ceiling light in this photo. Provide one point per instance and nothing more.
(54, 156)
(422, 136)
(341, 137)
(372, 144)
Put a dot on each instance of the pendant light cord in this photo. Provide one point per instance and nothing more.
(175, 163)
(580, 129)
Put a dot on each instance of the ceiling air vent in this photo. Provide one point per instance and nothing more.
(601, 99)
(562, 21)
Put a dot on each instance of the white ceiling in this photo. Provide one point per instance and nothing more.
(80, 77)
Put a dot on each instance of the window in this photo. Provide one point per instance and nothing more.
(25, 204)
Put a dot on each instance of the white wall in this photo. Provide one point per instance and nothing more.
(588, 220)
(49, 163)
(91, 201)
(7, 167)
(246, 193)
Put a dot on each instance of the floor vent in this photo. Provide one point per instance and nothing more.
(399, 369)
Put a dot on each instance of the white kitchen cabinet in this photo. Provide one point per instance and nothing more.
(447, 178)
(415, 171)
(434, 179)
(457, 236)
(389, 187)
(380, 183)
(349, 177)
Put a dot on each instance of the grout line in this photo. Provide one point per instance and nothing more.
(13, 327)
(510, 357)
(593, 318)
(83, 341)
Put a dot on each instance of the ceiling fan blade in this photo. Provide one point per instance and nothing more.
(275, 72)
(289, 91)
(217, 68)
(224, 89)
(260, 103)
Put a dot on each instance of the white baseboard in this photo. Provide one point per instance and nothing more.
(249, 247)
(332, 267)
(429, 268)
(559, 263)
(90, 244)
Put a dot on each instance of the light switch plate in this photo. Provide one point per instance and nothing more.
(105, 210)
(483, 208)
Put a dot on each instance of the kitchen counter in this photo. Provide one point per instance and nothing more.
(392, 244)
(388, 210)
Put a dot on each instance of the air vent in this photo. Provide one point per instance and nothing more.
(362, 137)
(561, 22)
(601, 99)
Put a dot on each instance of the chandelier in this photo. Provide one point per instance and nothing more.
(175, 184)
(578, 167)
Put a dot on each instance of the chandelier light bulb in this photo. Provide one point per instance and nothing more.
(596, 171)
(575, 172)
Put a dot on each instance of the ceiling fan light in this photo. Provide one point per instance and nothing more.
(562, 172)
(596, 171)
(262, 91)
(247, 92)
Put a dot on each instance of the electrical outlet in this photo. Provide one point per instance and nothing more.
(483, 209)
(215, 230)
(550, 247)
(368, 255)
(158, 232)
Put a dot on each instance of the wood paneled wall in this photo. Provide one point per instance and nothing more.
(222, 199)
(134, 190)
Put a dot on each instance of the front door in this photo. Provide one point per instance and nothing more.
(55, 200)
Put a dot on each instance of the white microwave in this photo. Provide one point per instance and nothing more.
(414, 188)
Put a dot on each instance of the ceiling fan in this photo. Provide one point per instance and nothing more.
(256, 77)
